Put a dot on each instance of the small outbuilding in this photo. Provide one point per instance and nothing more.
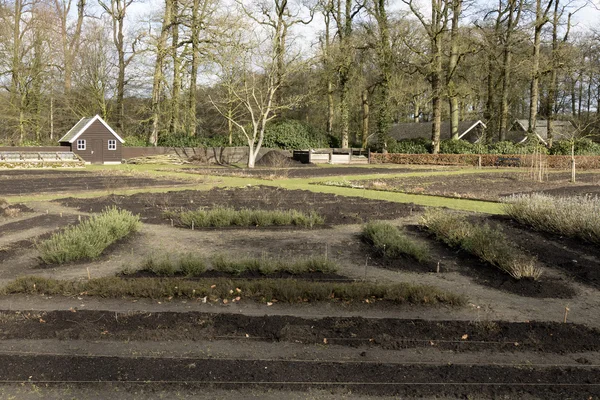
(94, 141)
(562, 130)
(472, 131)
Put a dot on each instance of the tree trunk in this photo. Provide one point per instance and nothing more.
(416, 111)
(194, 33)
(330, 107)
(365, 118)
(436, 102)
(158, 73)
(452, 64)
(174, 126)
(344, 112)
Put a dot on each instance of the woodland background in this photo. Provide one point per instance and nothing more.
(216, 72)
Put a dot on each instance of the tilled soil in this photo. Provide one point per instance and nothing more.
(483, 381)
(489, 186)
(21, 182)
(334, 209)
(386, 333)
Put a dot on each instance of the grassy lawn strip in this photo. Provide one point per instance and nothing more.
(570, 216)
(89, 238)
(391, 242)
(485, 242)
(282, 290)
(191, 265)
(225, 216)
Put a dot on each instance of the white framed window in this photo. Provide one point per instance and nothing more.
(81, 144)
(112, 144)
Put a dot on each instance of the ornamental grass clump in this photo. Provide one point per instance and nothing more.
(192, 265)
(224, 216)
(487, 243)
(89, 238)
(266, 265)
(221, 289)
(167, 265)
(577, 216)
(391, 242)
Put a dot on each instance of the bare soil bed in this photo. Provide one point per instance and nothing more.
(22, 182)
(488, 186)
(335, 209)
(306, 171)
(407, 381)
(373, 370)
(387, 333)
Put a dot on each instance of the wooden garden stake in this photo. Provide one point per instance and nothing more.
(171, 222)
(566, 313)
(79, 218)
(437, 270)
(61, 214)
(192, 225)
(89, 276)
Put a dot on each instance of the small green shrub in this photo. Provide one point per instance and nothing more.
(485, 242)
(88, 239)
(459, 147)
(409, 146)
(294, 135)
(583, 147)
(391, 242)
(570, 216)
(224, 216)
(135, 141)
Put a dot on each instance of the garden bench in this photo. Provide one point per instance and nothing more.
(508, 162)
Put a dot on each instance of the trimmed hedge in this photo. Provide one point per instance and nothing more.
(487, 160)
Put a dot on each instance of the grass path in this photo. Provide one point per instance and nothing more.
(289, 183)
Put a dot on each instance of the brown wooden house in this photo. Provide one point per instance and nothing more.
(94, 141)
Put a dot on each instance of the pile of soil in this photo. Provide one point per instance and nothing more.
(276, 158)
(334, 209)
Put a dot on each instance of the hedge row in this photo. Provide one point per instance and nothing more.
(487, 160)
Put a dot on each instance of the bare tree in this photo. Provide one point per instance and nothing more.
(541, 18)
(435, 28)
(117, 10)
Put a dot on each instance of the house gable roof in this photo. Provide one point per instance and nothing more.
(82, 126)
(562, 130)
(417, 130)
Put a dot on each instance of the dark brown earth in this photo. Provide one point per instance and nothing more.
(334, 209)
(20, 182)
(489, 186)
(300, 172)
(482, 381)
(44, 220)
(387, 333)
